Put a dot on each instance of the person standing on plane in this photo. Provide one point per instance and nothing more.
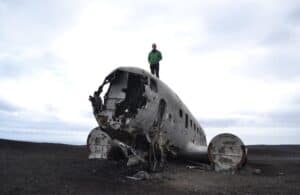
(153, 58)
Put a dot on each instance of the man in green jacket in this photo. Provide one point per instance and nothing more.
(153, 58)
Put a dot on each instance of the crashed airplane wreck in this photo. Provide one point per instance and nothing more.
(142, 120)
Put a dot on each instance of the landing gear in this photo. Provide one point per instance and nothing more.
(156, 153)
(156, 161)
(156, 149)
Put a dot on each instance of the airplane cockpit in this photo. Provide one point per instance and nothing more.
(125, 93)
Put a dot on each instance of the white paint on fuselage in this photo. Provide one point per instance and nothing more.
(173, 125)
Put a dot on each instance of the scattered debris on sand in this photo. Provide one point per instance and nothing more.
(140, 175)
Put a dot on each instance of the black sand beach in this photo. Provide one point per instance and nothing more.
(38, 168)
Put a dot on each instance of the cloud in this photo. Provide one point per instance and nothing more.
(245, 24)
(219, 122)
(21, 122)
(34, 23)
(280, 125)
(285, 118)
(276, 64)
(28, 64)
(263, 35)
(6, 106)
(232, 62)
(280, 118)
(268, 128)
(295, 17)
(16, 118)
(18, 123)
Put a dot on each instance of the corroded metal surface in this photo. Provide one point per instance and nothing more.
(226, 152)
(143, 117)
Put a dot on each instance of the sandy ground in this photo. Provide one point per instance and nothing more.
(32, 168)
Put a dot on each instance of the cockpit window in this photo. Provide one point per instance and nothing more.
(134, 97)
(153, 85)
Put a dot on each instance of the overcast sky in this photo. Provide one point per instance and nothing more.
(235, 64)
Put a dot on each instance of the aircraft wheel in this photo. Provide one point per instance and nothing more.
(99, 144)
(227, 152)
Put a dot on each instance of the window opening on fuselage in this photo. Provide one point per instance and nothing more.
(180, 113)
(170, 117)
(186, 121)
(153, 85)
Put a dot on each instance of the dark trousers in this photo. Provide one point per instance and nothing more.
(155, 69)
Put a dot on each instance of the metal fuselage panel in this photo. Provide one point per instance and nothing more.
(131, 104)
